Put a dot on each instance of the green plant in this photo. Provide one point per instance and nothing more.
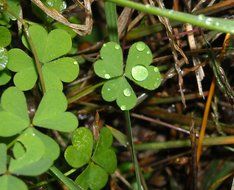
(138, 70)
(96, 154)
(54, 68)
(33, 152)
(5, 40)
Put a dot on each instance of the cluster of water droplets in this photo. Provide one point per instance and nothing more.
(3, 58)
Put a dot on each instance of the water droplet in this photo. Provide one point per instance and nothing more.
(117, 46)
(104, 45)
(217, 23)
(75, 62)
(3, 58)
(171, 12)
(148, 52)
(156, 69)
(140, 46)
(201, 17)
(139, 73)
(127, 92)
(108, 89)
(107, 76)
(123, 107)
(208, 21)
(147, 5)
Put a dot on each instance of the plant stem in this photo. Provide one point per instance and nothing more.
(218, 24)
(209, 141)
(132, 146)
(111, 19)
(34, 52)
(84, 92)
(37, 62)
(68, 182)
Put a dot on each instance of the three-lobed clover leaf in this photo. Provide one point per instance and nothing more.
(5, 40)
(34, 152)
(50, 48)
(138, 70)
(101, 161)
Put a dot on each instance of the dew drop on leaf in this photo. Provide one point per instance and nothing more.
(156, 69)
(3, 58)
(117, 46)
(139, 73)
(127, 92)
(75, 62)
(148, 52)
(107, 76)
(140, 46)
(123, 107)
(104, 45)
(201, 17)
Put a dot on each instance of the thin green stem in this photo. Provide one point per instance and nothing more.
(33, 49)
(209, 141)
(84, 92)
(218, 24)
(133, 151)
(111, 19)
(37, 62)
(67, 181)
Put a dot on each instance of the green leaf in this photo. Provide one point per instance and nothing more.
(14, 116)
(64, 69)
(111, 63)
(34, 162)
(52, 149)
(3, 58)
(121, 137)
(119, 89)
(104, 156)
(80, 152)
(93, 177)
(20, 62)
(51, 113)
(13, 6)
(138, 67)
(66, 28)
(49, 46)
(5, 37)
(5, 77)
(3, 158)
(8, 182)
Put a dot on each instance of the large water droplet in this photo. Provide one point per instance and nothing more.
(117, 46)
(123, 107)
(140, 46)
(127, 92)
(107, 76)
(139, 73)
(104, 45)
(75, 62)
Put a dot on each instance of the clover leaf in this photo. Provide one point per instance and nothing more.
(5, 40)
(3, 158)
(50, 48)
(33, 152)
(9, 182)
(138, 70)
(101, 161)
(50, 114)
